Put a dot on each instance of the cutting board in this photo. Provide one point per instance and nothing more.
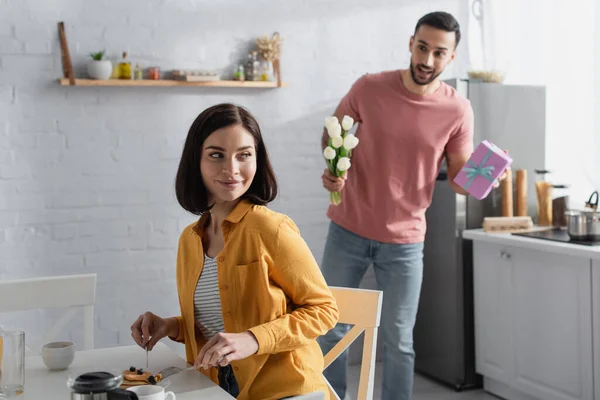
(510, 225)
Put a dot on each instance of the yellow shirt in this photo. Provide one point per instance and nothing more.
(271, 285)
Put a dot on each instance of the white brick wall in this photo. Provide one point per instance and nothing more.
(86, 174)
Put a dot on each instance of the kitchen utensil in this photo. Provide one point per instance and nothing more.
(507, 224)
(522, 193)
(507, 195)
(99, 385)
(593, 201)
(170, 371)
(583, 225)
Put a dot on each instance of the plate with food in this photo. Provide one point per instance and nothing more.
(134, 376)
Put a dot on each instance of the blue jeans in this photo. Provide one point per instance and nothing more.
(399, 273)
(227, 381)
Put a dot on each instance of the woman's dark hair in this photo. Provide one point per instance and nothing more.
(189, 187)
(440, 20)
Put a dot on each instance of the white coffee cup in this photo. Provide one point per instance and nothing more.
(58, 356)
(150, 392)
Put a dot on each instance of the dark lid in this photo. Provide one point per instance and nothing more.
(95, 382)
(542, 171)
(560, 186)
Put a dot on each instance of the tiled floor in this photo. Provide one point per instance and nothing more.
(424, 389)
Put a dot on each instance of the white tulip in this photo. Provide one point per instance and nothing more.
(330, 121)
(350, 141)
(337, 142)
(347, 123)
(334, 130)
(329, 153)
(343, 164)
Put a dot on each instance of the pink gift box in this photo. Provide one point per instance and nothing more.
(480, 172)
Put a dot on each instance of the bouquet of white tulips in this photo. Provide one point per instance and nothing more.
(339, 150)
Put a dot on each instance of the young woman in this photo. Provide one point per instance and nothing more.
(252, 297)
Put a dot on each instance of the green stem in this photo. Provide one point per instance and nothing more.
(335, 198)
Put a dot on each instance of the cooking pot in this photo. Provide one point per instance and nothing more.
(585, 224)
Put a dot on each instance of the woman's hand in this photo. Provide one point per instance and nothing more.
(148, 329)
(226, 347)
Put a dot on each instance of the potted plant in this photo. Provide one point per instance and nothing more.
(97, 68)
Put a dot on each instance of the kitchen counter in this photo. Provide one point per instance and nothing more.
(507, 239)
(537, 325)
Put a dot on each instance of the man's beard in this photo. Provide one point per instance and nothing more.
(417, 80)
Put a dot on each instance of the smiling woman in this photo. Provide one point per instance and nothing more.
(252, 297)
(222, 155)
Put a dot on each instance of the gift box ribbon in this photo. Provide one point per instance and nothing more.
(479, 170)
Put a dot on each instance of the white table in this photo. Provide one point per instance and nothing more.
(40, 383)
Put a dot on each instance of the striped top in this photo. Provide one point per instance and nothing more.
(207, 301)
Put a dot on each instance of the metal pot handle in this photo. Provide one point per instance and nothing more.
(591, 202)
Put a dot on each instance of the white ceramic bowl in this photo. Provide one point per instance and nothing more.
(58, 356)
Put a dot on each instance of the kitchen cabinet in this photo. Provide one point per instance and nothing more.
(492, 278)
(596, 323)
(533, 322)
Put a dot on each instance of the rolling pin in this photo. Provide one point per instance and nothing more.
(521, 193)
(507, 194)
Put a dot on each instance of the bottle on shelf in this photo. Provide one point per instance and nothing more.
(154, 73)
(124, 67)
(265, 73)
(115, 71)
(240, 73)
(249, 67)
(138, 73)
(255, 67)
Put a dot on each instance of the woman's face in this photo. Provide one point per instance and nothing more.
(228, 163)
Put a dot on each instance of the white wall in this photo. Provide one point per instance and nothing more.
(86, 174)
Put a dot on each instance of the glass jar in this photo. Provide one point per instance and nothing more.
(543, 189)
(154, 73)
(239, 74)
(560, 205)
(264, 72)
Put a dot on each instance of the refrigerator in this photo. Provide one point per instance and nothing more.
(514, 118)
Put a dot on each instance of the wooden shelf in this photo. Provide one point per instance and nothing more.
(171, 82)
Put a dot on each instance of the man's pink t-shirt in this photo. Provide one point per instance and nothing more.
(403, 139)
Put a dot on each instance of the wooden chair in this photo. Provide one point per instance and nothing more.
(70, 291)
(361, 308)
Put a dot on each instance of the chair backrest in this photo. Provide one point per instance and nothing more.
(70, 291)
(361, 308)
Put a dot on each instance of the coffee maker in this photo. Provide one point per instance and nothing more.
(99, 385)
